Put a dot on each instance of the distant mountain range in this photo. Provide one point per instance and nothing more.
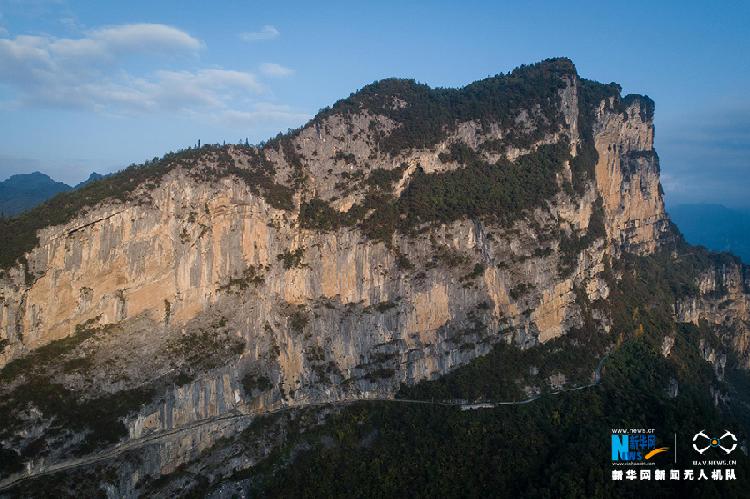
(714, 226)
(26, 190)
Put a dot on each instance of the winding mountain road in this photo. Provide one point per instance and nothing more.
(118, 449)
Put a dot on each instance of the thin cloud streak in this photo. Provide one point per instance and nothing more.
(275, 70)
(262, 112)
(267, 32)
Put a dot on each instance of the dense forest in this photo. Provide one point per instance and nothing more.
(427, 114)
(499, 192)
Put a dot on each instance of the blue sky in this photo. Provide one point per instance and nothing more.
(94, 86)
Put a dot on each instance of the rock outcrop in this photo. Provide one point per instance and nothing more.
(723, 301)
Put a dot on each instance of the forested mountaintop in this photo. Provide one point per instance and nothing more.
(526, 103)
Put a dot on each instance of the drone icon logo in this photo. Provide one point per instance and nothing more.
(714, 442)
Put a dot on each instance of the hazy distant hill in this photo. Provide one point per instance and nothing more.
(93, 177)
(23, 191)
(714, 226)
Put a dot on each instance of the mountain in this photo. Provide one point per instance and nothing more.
(315, 316)
(26, 190)
(714, 226)
(93, 177)
(23, 191)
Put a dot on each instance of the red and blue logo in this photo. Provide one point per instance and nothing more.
(635, 447)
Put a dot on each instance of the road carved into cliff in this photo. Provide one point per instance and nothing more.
(118, 449)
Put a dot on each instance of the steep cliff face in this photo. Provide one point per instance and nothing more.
(722, 299)
(377, 245)
(627, 176)
(168, 252)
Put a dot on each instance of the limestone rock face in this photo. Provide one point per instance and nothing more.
(723, 301)
(171, 257)
(332, 314)
(627, 176)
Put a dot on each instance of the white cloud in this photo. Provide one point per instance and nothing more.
(162, 91)
(275, 70)
(89, 73)
(267, 32)
(262, 112)
(124, 40)
(83, 72)
(144, 37)
(207, 88)
(43, 60)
